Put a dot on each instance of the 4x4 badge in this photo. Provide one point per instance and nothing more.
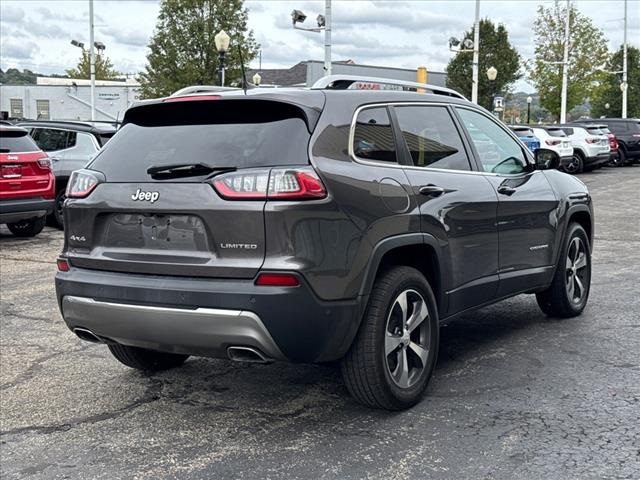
(145, 196)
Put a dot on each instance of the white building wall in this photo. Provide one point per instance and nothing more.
(71, 102)
(315, 71)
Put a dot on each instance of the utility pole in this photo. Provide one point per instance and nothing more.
(476, 54)
(565, 66)
(92, 63)
(624, 85)
(327, 37)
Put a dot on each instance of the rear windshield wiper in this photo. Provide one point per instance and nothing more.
(181, 170)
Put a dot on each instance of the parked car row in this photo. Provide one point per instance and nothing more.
(36, 161)
(586, 144)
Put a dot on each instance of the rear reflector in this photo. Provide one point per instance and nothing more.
(277, 184)
(63, 265)
(277, 280)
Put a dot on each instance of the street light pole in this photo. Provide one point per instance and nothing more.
(92, 63)
(476, 54)
(565, 66)
(624, 65)
(529, 100)
(327, 37)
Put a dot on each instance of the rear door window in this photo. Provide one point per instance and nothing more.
(431, 137)
(221, 133)
(51, 140)
(16, 142)
(373, 136)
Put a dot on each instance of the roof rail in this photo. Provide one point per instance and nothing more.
(201, 89)
(343, 82)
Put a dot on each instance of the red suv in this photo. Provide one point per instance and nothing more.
(27, 184)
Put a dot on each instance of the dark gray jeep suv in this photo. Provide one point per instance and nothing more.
(315, 225)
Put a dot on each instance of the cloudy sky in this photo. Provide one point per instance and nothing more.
(35, 34)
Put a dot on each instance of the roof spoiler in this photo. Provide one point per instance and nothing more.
(202, 89)
(344, 82)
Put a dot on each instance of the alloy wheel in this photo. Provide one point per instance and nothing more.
(407, 338)
(576, 270)
(574, 165)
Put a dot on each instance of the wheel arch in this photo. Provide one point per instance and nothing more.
(417, 250)
(582, 216)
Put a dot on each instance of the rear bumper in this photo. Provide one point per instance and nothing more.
(24, 208)
(201, 316)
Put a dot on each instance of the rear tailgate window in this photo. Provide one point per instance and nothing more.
(523, 132)
(13, 141)
(221, 133)
(556, 132)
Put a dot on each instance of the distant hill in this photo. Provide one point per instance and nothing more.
(13, 76)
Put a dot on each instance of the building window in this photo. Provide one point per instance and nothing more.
(15, 105)
(42, 108)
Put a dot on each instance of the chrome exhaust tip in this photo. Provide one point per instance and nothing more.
(247, 354)
(87, 335)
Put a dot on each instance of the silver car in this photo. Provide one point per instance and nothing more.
(70, 145)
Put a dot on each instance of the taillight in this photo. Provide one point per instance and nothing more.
(44, 162)
(277, 280)
(552, 142)
(277, 184)
(297, 184)
(592, 140)
(81, 183)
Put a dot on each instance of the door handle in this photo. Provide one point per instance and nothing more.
(432, 190)
(504, 190)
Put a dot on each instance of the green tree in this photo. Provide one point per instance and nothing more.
(495, 51)
(587, 52)
(104, 68)
(608, 90)
(183, 51)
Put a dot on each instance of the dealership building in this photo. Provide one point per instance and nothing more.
(70, 99)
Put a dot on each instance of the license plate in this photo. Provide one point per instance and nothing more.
(164, 232)
(11, 171)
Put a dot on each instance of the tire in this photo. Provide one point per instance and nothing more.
(623, 157)
(56, 219)
(146, 360)
(376, 378)
(569, 291)
(27, 228)
(576, 165)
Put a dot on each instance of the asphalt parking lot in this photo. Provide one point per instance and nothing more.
(514, 395)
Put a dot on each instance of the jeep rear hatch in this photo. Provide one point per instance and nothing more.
(154, 207)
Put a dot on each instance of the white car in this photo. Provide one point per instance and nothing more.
(590, 145)
(554, 138)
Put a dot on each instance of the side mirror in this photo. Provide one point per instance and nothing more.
(546, 159)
